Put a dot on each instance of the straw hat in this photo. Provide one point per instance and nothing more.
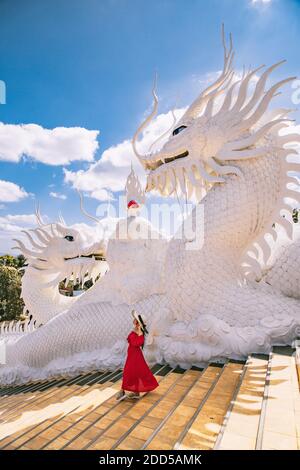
(140, 318)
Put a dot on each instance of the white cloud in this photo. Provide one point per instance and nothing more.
(16, 223)
(28, 220)
(11, 192)
(102, 195)
(58, 195)
(58, 146)
(260, 1)
(110, 172)
(11, 226)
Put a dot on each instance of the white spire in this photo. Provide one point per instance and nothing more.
(134, 189)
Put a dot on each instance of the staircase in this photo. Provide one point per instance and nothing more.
(236, 405)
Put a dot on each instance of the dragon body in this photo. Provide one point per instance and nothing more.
(208, 294)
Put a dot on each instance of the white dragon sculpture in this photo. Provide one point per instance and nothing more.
(223, 300)
(57, 253)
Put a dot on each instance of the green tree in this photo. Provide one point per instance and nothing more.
(295, 215)
(13, 261)
(11, 306)
(8, 260)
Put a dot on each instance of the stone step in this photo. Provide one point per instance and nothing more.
(153, 408)
(36, 416)
(168, 432)
(233, 406)
(114, 417)
(280, 421)
(31, 398)
(241, 423)
(203, 429)
(13, 394)
(36, 400)
(65, 429)
(13, 390)
(297, 359)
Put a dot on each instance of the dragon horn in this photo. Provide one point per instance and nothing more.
(83, 209)
(147, 120)
(40, 221)
(202, 99)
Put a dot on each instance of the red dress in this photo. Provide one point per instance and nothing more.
(137, 377)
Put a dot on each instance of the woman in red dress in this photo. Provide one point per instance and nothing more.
(137, 377)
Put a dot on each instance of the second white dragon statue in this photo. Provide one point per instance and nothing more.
(238, 158)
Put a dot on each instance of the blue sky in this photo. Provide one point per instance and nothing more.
(89, 65)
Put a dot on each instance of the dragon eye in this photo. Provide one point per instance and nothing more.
(70, 238)
(179, 129)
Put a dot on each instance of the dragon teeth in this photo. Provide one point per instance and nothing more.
(165, 183)
(161, 181)
(165, 186)
(181, 179)
(172, 177)
(154, 181)
(190, 189)
(150, 183)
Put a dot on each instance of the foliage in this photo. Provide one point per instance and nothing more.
(11, 306)
(295, 215)
(13, 261)
(71, 288)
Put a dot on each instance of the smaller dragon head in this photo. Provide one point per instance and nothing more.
(223, 125)
(59, 252)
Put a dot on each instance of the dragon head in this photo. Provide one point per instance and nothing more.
(222, 125)
(59, 252)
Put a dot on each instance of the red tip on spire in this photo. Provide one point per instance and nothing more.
(132, 203)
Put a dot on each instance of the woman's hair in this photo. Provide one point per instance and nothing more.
(143, 327)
